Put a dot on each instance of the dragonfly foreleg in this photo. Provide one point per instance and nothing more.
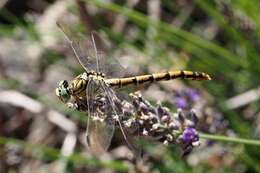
(77, 104)
(73, 105)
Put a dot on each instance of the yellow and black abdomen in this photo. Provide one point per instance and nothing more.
(120, 82)
(78, 87)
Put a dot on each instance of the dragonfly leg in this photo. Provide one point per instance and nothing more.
(73, 105)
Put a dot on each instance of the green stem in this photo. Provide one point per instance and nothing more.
(229, 139)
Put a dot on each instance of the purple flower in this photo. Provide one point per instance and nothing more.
(189, 135)
(193, 94)
(181, 102)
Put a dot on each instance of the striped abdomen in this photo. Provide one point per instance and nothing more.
(120, 82)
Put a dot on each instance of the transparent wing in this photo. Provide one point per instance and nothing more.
(132, 141)
(117, 111)
(99, 134)
(92, 51)
(106, 63)
(76, 42)
(99, 137)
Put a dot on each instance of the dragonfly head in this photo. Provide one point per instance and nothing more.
(62, 91)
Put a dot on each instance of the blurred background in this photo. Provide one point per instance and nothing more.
(38, 133)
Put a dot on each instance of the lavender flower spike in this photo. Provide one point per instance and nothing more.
(140, 117)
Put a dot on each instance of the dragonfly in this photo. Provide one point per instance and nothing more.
(86, 87)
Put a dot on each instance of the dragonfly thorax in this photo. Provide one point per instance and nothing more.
(78, 86)
(92, 75)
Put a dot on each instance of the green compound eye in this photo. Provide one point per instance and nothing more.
(62, 91)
